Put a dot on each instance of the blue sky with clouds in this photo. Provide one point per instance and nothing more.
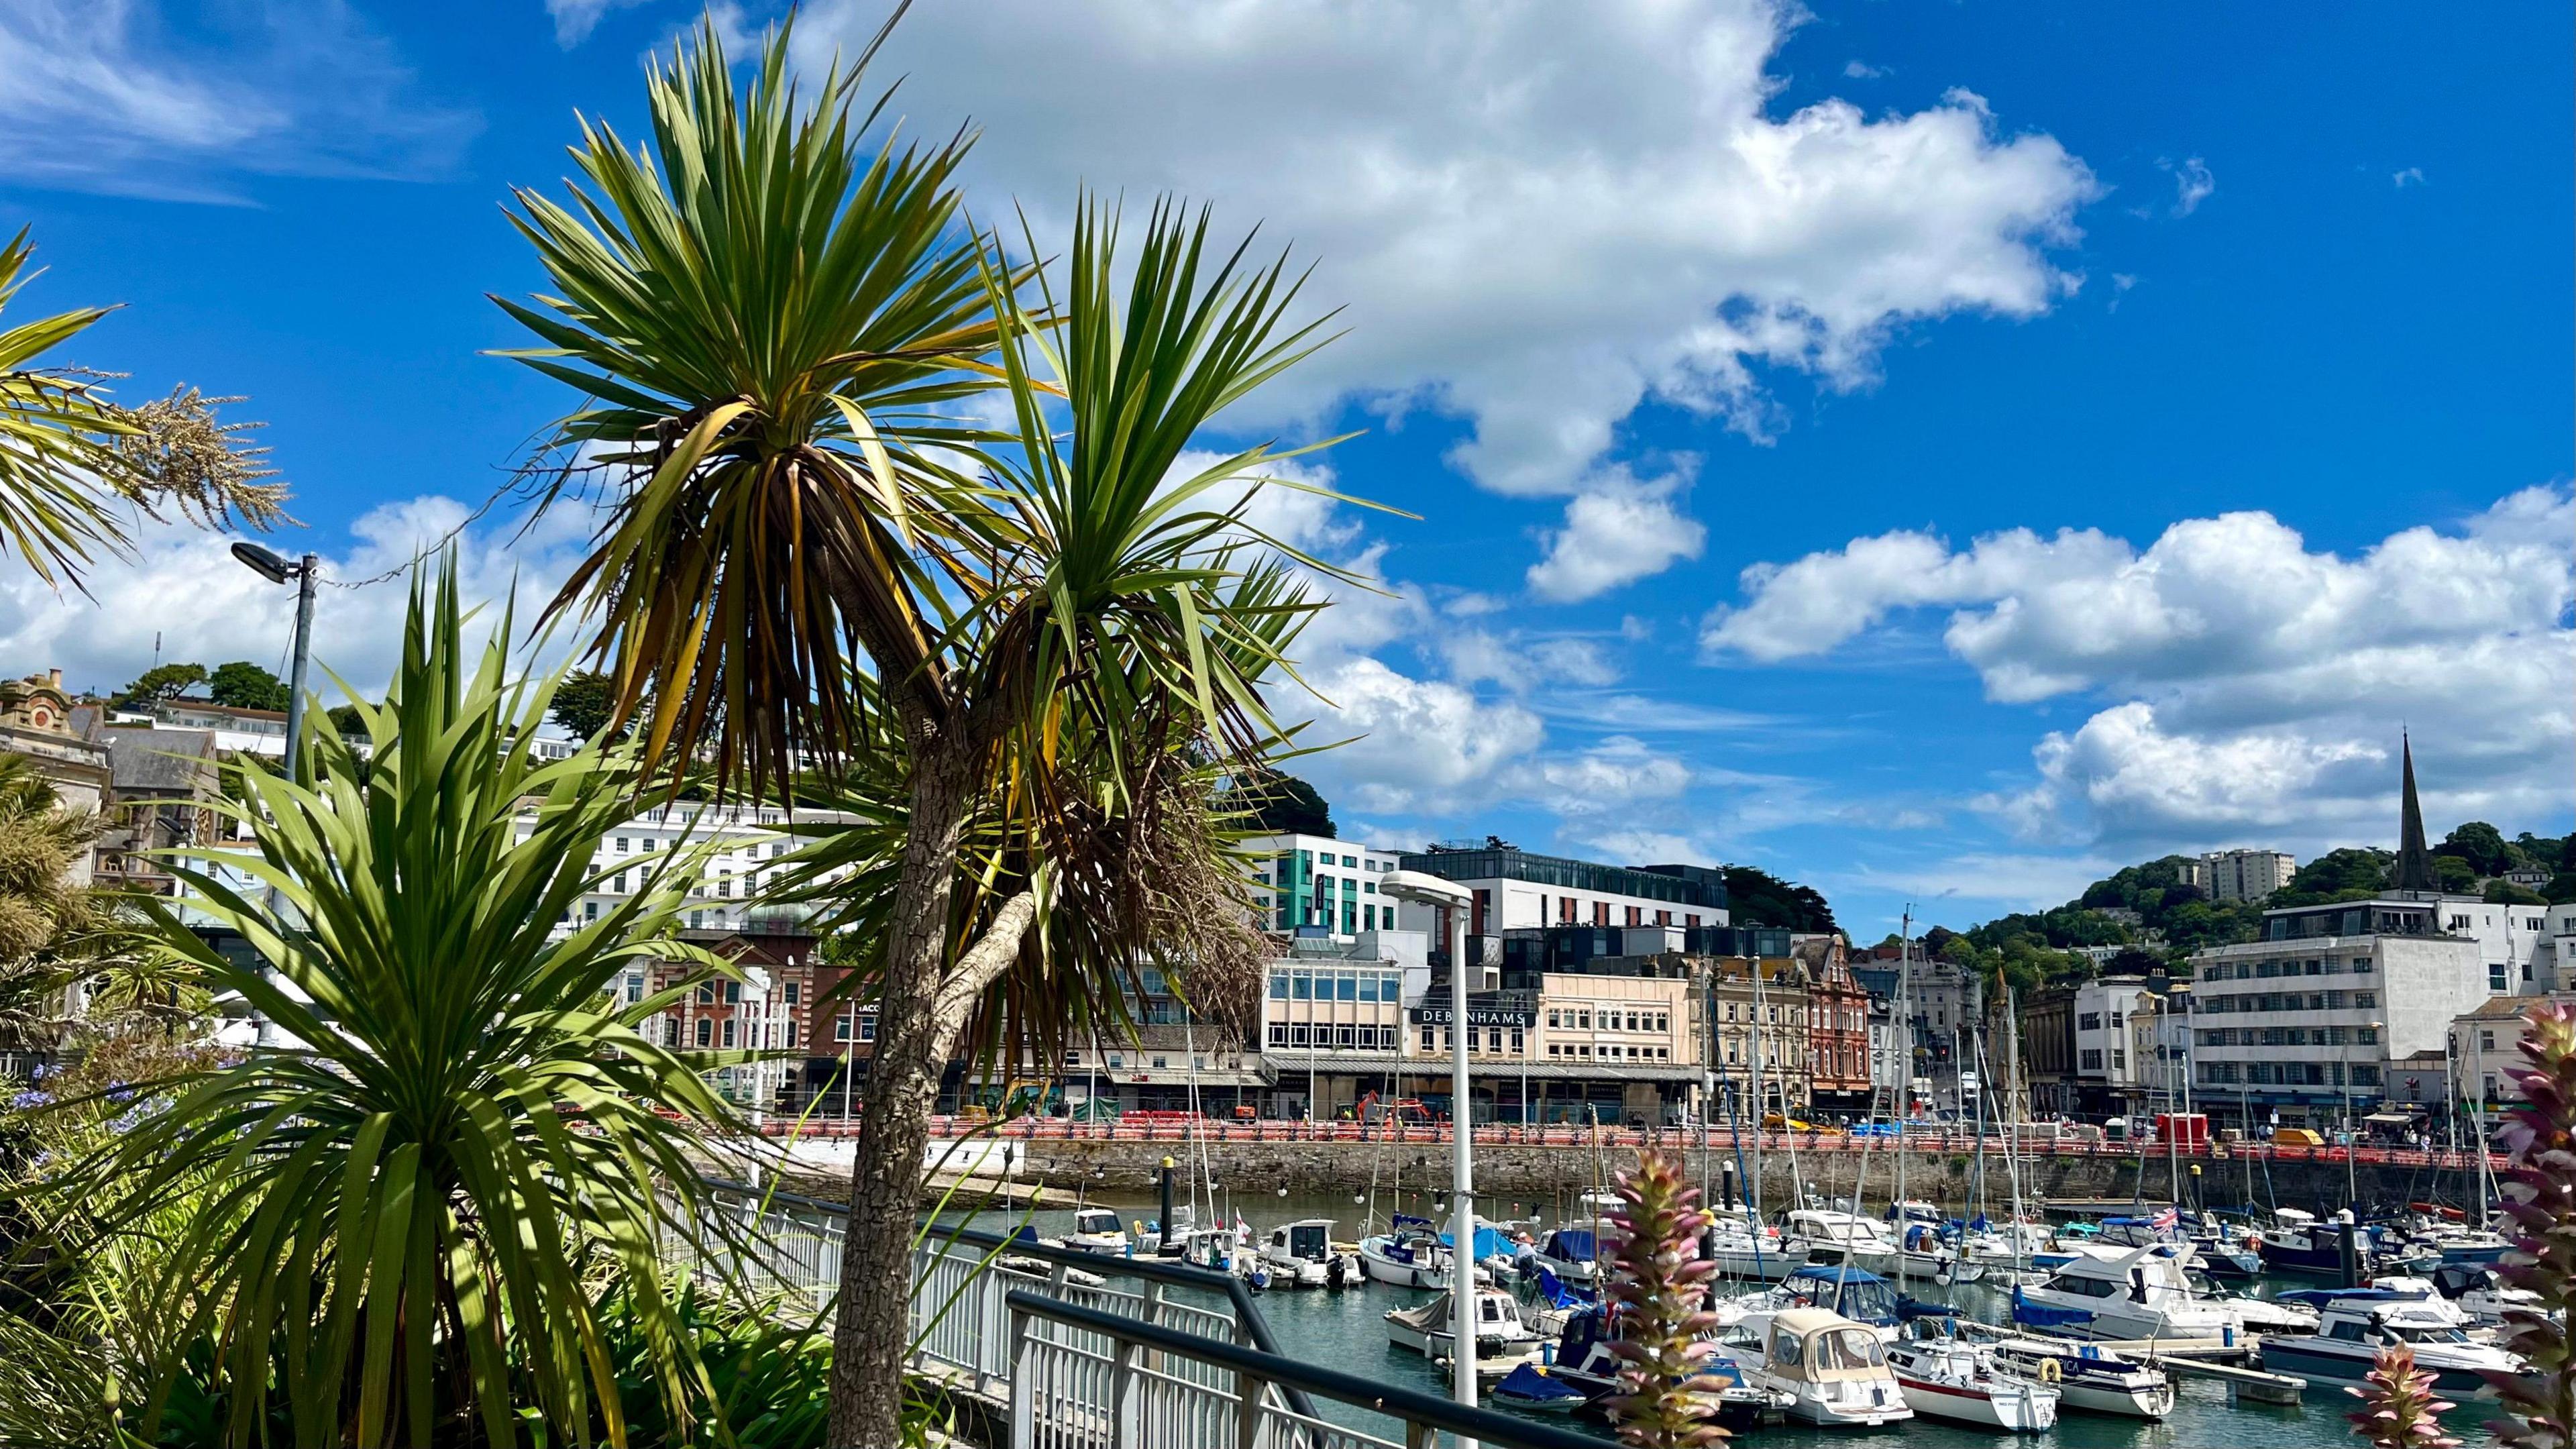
(1933, 452)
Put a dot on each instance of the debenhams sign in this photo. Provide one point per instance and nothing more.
(1429, 1015)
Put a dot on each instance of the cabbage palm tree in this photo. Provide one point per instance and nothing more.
(74, 465)
(400, 1210)
(1027, 649)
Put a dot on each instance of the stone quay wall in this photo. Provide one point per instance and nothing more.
(1546, 1177)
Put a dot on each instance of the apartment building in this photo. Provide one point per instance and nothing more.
(1334, 1024)
(2243, 875)
(1515, 889)
(2309, 1018)
(1316, 883)
(2106, 1067)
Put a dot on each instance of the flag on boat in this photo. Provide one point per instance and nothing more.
(2166, 1219)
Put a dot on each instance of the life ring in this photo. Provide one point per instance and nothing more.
(2050, 1371)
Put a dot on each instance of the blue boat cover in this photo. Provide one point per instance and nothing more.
(2320, 1297)
(1408, 1220)
(1489, 1243)
(1025, 1234)
(1572, 1245)
(1527, 1384)
(2040, 1315)
(1558, 1295)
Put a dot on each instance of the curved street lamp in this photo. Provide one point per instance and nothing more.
(1424, 889)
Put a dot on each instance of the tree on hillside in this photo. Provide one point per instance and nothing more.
(2455, 874)
(2338, 874)
(1936, 942)
(161, 681)
(244, 685)
(2506, 893)
(585, 702)
(2481, 845)
(1279, 803)
(1759, 898)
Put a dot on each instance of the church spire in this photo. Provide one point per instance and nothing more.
(2414, 862)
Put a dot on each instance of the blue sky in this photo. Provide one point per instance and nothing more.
(2130, 416)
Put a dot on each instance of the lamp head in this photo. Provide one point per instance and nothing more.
(1424, 889)
(263, 562)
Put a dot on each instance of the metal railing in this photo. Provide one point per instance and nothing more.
(779, 1247)
(1083, 1378)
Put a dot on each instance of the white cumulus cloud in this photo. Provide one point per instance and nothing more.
(2253, 681)
(1615, 534)
(1534, 225)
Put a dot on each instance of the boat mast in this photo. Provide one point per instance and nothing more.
(1761, 1107)
(2012, 1119)
(1905, 1095)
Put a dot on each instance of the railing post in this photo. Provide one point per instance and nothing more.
(1023, 1386)
(1126, 1398)
(1248, 1395)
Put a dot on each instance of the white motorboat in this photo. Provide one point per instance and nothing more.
(1830, 1237)
(2110, 1292)
(1829, 1369)
(1945, 1378)
(1410, 1256)
(1926, 1255)
(1226, 1250)
(1426, 1328)
(2089, 1382)
(1301, 1255)
(2358, 1322)
(1097, 1230)
(2479, 1290)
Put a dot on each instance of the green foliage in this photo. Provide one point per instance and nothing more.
(72, 463)
(2561, 888)
(1759, 898)
(244, 685)
(2540, 1201)
(2338, 875)
(2454, 874)
(162, 681)
(766, 1380)
(407, 1207)
(2481, 845)
(349, 720)
(586, 704)
(1277, 802)
(2506, 893)
(1658, 1281)
(2401, 1411)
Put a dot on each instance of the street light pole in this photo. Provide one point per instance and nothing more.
(277, 570)
(1424, 889)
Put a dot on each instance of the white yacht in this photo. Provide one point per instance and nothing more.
(1409, 1256)
(1097, 1230)
(1426, 1328)
(1744, 1248)
(2112, 1292)
(1830, 1370)
(1831, 1237)
(1949, 1378)
(1300, 1254)
(2089, 1382)
(2359, 1322)
(1573, 1252)
(1225, 1250)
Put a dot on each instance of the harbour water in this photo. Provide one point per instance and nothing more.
(1346, 1330)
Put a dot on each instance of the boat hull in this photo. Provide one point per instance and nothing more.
(2292, 1356)
(1401, 1274)
(2012, 1411)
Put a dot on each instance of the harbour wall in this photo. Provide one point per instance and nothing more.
(1546, 1178)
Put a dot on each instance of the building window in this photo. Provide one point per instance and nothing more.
(1279, 1033)
(1426, 1038)
(1278, 986)
(868, 1029)
(2092, 1059)
(706, 1032)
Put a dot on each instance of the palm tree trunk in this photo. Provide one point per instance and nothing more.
(873, 1326)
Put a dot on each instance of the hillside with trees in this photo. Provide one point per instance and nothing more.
(2159, 918)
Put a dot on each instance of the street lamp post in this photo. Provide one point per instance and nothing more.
(1423, 889)
(274, 568)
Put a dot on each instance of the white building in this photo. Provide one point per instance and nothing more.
(2331, 994)
(2244, 875)
(2104, 1048)
(1317, 883)
(1515, 889)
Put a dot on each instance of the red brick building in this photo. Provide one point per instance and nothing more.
(1837, 1023)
